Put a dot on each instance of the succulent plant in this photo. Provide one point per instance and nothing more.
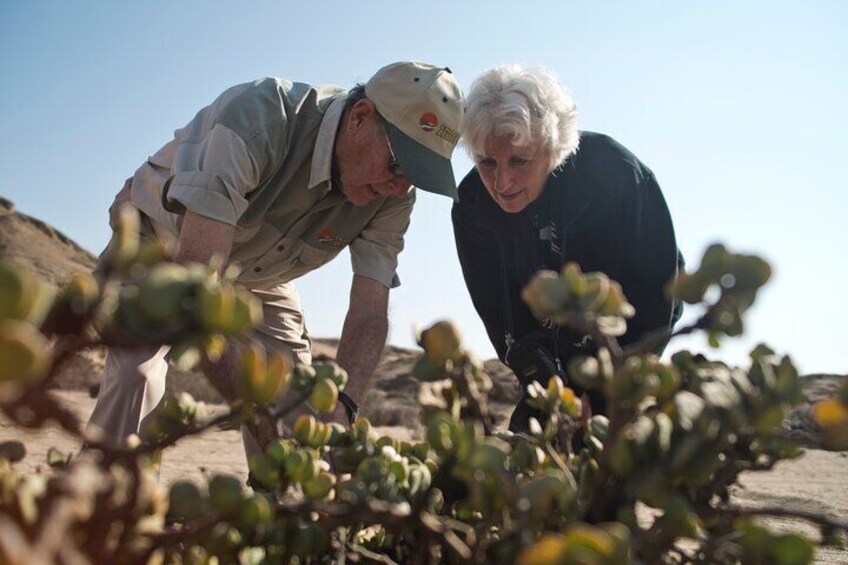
(675, 438)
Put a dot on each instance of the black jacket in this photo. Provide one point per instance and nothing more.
(608, 215)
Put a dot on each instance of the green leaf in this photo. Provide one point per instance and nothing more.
(12, 451)
(184, 356)
(687, 408)
(56, 459)
(185, 501)
(791, 549)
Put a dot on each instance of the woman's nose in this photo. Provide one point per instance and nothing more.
(503, 181)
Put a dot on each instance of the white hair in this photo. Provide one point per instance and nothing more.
(528, 105)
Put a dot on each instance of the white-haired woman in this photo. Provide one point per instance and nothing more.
(542, 194)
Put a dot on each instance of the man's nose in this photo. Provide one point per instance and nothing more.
(399, 186)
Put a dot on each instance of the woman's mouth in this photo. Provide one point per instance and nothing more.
(510, 197)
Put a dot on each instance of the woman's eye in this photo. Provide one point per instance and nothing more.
(517, 161)
(488, 163)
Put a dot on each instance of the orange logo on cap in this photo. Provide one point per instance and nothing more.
(428, 121)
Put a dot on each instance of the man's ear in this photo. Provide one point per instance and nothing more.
(360, 113)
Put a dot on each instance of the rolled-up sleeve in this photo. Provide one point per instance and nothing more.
(374, 253)
(212, 176)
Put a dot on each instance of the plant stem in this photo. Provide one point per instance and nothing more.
(779, 512)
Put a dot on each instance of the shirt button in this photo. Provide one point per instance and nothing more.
(280, 247)
(257, 269)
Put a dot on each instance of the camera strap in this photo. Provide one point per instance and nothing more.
(551, 241)
(550, 245)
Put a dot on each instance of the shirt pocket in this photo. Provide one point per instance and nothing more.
(313, 257)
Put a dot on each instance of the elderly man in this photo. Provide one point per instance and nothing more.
(279, 177)
(536, 201)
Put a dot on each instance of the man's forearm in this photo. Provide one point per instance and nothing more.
(202, 238)
(362, 341)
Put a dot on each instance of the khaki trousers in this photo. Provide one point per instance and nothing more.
(134, 379)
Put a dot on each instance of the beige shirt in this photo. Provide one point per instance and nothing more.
(259, 158)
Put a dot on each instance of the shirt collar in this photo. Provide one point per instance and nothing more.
(322, 156)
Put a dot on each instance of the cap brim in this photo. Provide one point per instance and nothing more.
(424, 168)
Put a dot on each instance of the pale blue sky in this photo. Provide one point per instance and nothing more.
(738, 110)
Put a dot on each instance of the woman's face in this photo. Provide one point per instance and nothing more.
(514, 176)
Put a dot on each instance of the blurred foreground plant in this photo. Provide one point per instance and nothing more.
(675, 439)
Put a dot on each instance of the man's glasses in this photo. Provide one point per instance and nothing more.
(394, 166)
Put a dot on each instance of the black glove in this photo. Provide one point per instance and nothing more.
(350, 406)
(531, 359)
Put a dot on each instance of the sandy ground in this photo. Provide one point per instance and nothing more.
(818, 481)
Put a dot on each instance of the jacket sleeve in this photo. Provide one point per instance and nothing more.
(651, 257)
(478, 256)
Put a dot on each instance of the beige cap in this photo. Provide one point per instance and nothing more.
(423, 105)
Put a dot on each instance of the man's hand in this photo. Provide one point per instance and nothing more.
(123, 197)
